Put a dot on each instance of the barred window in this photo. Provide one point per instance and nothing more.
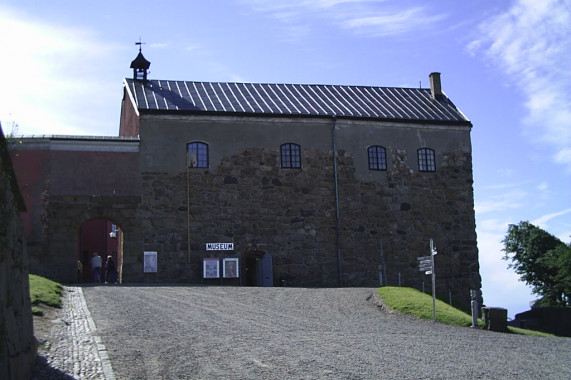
(377, 158)
(290, 155)
(426, 162)
(197, 154)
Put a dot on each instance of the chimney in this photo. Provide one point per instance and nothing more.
(435, 86)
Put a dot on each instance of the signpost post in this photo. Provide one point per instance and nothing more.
(426, 265)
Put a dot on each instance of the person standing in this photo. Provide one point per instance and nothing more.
(79, 271)
(96, 267)
(110, 271)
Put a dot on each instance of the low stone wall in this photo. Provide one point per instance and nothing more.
(18, 347)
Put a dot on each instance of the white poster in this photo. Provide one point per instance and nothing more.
(211, 268)
(150, 262)
(230, 268)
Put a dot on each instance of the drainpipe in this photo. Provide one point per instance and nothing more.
(336, 185)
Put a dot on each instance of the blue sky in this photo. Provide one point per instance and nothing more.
(503, 63)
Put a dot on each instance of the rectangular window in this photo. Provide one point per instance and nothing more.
(426, 161)
(377, 158)
(290, 155)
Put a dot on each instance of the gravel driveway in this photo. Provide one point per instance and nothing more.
(222, 332)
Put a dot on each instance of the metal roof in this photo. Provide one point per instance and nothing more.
(355, 102)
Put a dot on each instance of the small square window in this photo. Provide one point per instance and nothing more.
(426, 161)
(290, 155)
(377, 158)
(197, 154)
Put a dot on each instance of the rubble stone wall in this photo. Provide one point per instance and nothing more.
(18, 347)
(245, 197)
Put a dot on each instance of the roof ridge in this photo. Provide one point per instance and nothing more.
(282, 83)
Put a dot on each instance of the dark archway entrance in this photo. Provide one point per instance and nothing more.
(104, 237)
(259, 269)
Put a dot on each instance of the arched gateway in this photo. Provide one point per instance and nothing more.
(68, 181)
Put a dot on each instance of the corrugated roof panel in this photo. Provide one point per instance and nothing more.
(359, 102)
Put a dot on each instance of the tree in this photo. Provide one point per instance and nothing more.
(542, 261)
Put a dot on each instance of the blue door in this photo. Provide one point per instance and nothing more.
(265, 271)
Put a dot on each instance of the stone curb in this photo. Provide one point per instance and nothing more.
(102, 351)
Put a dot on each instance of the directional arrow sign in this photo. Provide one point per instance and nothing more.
(424, 258)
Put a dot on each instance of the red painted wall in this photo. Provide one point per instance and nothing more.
(94, 237)
(129, 124)
(32, 169)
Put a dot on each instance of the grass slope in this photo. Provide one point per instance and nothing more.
(44, 291)
(414, 302)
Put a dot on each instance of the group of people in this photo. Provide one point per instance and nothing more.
(96, 266)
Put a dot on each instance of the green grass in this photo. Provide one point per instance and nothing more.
(517, 330)
(44, 291)
(414, 302)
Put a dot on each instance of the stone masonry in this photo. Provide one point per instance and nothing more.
(18, 347)
(291, 214)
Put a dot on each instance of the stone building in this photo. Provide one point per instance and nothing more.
(309, 185)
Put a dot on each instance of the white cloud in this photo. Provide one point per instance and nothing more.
(530, 43)
(54, 75)
(364, 17)
(505, 200)
(391, 22)
(541, 222)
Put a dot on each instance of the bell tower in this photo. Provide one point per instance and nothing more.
(140, 66)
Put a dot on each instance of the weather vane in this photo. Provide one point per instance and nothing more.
(140, 44)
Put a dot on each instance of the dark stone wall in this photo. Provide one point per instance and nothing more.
(68, 213)
(18, 347)
(250, 200)
(245, 197)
